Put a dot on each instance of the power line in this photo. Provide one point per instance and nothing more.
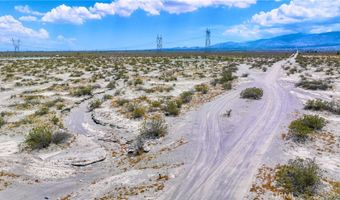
(16, 44)
(159, 42)
(207, 38)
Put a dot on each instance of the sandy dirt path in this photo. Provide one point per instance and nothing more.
(227, 151)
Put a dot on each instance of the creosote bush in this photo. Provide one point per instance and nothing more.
(138, 112)
(306, 125)
(252, 93)
(299, 177)
(39, 137)
(154, 127)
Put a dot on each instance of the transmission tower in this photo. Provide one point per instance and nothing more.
(159, 41)
(16, 44)
(207, 38)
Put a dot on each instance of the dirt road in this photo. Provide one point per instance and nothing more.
(227, 151)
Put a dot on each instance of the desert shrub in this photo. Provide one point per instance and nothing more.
(55, 120)
(186, 96)
(95, 104)
(111, 85)
(226, 76)
(107, 97)
(121, 102)
(299, 177)
(138, 81)
(172, 108)
(138, 112)
(156, 104)
(320, 105)
(314, 85)
(154, 127)
(60, 106)
(60, 137)
(82, 91)
(306, 125)
(2, 121)
(252, 93)
(202, 88)
(245, 75)
(39, 137)
(227, 86)
(42, 111)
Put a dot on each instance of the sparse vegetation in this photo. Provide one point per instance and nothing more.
(60, 137)
(203, 88)
(252, 93)
(299, 177)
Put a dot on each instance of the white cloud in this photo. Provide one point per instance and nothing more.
(28, 18)
(299, 11)
(309, 16)
(78, 15)
(27, 10)
(10, 27)
(75, 15)
(248, 31)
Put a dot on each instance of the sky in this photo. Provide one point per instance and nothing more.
(134, 24)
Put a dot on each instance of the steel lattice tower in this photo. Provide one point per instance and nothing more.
(207, 38)
(159, 41)
(16, 44)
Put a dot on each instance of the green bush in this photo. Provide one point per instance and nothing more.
(252, 93)
(95, 104)
(39, 137)
(320, 105)
(299, 177)
(2, 121)
(121, 102)
(186, 96)
(82, 91)
(172, 108)
(306, 125)
(154, 127)
(314, 85)
(138, 81)
(202, 88)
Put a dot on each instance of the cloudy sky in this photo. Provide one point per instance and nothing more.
(134, 24)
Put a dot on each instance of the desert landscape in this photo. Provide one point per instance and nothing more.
(170, 126)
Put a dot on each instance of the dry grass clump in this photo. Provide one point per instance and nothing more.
(82, 91)
(320, 105)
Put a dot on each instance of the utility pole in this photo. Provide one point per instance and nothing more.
(207, 38)
(16, 44)
(159, 42)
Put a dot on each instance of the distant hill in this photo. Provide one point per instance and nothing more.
(323, 41)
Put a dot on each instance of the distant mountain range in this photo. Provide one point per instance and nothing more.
(329, 41)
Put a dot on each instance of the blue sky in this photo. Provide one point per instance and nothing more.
(134, 24)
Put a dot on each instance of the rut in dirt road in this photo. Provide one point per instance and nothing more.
(228, 151)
